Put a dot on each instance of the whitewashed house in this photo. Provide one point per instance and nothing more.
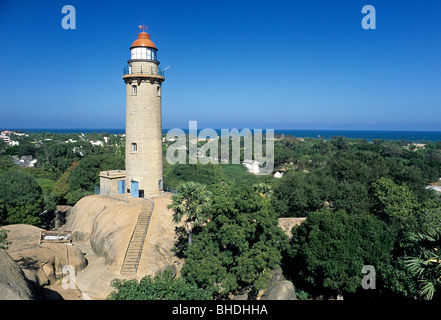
(278, 174)
(252, 166)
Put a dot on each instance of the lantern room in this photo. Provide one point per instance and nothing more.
(143, 48)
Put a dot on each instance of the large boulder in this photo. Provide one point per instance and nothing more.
(279, 288)
(13, 282)
(107, 225)
(283, 290)
(42, 263)
(286, 224)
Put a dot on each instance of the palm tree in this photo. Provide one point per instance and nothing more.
(427, 266)
(191, 204)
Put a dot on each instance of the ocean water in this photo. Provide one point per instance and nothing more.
(414, 136)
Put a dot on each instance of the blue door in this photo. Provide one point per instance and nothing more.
(134, 189)
(121, 186)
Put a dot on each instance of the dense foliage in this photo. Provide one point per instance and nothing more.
(163, 286)
(239, 246)
(331, 248)
(67, 169)
(20, 198)
(192, 204)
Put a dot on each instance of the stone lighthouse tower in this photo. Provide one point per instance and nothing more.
(143, 79)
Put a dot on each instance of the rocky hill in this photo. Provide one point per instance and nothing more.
(13, 282)
(28, 265)
(107, 225)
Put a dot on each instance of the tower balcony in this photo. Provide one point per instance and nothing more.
(143, 70)
(140, 73)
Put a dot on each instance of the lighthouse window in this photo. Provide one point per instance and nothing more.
(158, 91)
(134, 147)
(135, 90)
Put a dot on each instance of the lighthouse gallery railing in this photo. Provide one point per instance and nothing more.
(143, 70)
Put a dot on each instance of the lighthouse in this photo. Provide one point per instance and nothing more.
(143, 79)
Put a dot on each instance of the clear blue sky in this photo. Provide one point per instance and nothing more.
(257, 64)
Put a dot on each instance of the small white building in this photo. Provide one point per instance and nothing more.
(14, 143)
(436, 188)
(96, 143)
(278, 174)
(5, 138)
(32, 163)
(252, 166)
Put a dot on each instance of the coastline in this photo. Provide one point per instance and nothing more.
(412, 136)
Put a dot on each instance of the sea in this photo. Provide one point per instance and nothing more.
(413, 136)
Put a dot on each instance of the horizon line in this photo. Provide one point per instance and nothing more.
(275, 129)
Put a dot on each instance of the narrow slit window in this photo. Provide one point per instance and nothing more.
(134, 147)
(158, 91)
(135, 90)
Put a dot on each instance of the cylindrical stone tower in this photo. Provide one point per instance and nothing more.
(143, 79)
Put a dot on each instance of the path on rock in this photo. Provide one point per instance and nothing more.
(94, 281)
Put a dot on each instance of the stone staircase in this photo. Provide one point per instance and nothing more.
(134, 249)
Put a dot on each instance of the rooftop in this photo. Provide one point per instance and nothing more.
(143, 41)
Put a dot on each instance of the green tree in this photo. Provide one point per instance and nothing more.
(57, 157)
(6, 163)
(330, 249)
(85, 176)
(191, 203)
(22, 197)
(394, 202)
(209, 174)
(263, 189)
(61, 188)
(299, 193)
(401, 209)
(426, 266)
(239, 246)
(160, 287)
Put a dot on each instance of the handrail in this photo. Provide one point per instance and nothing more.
(106, 192)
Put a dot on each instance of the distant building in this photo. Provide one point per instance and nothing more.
(278, 174)
(96, 143)
(436, 188)
(25, 161)
(252, 166)
(5, 138)
(20, 134)
(32, 163)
